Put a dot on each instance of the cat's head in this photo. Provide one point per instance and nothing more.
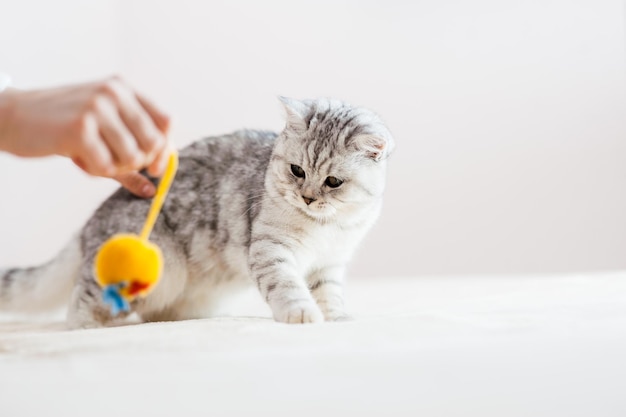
(330, 159)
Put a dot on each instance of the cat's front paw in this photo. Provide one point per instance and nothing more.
(299, 312)
(337, 315)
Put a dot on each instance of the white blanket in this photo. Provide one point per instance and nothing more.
(465, 346)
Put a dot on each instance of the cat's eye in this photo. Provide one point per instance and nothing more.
(333, 182)
(297, 171)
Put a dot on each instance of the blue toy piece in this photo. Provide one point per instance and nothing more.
(112, 297)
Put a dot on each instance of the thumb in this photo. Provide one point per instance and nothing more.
(136, 184)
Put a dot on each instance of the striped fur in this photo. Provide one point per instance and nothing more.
(238, 215)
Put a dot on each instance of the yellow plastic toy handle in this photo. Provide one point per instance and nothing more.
(161, 193)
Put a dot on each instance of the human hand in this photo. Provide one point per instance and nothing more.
(105, 127)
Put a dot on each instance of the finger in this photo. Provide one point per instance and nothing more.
(92, 155)
(157, 167)
(79, 163)
(138, 121)
(136, 184)
(160, 118)
(122, 144)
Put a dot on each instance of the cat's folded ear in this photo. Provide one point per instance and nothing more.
(377, 146)
(297, 112)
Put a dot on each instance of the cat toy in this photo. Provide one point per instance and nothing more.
(128, 266)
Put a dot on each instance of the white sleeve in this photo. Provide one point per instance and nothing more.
(5, 81)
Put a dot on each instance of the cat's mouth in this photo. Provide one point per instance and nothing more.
(322, 213)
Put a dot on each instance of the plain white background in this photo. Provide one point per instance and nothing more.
(508, 116)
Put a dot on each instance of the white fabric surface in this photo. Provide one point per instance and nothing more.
(466, 346)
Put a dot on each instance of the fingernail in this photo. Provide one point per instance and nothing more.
(147, 190)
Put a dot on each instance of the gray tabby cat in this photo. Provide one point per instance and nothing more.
(285, 212)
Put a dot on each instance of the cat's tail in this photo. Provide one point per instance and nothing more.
(42, 288)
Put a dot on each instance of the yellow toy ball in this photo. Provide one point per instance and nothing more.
(127, 259)
(128, 266)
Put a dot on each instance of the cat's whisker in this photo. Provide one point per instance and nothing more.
(253, 203)
(252, 206)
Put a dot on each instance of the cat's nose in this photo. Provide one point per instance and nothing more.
(308, 200)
